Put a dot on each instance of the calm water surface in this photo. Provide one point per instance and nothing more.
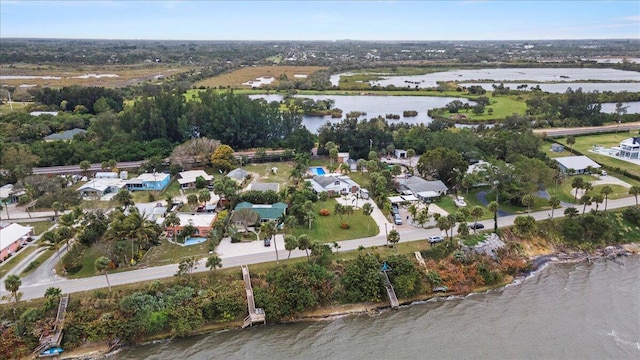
(567, 311)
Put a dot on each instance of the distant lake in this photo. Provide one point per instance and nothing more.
(533, 75)
(633, 107)
(562, 87)
(374, 106)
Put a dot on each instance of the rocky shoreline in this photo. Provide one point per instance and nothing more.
(610, 253)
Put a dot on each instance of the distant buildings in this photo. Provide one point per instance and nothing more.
(187, 179)
(100, 187)
(421, 188)
(334, 184)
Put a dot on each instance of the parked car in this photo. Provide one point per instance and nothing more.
(395, 210)
(604, 173)
(267, 241)
(435, 239)
(476, 226)
(397, 219)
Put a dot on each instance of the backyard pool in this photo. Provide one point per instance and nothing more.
(194, 240)
(317, 170)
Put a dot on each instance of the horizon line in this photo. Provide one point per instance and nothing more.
(322, 40)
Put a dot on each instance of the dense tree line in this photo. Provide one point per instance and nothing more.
(93, 99)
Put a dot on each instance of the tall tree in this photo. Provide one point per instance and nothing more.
(304, 243)
(85, 165)
(123, 198)
(606, 191)
(442, 163)
(213, 262)
(222, 158)
(554, 202)
(12, 284)
(290, 244)
(102, 265)
(476, 212)
(172, 220)
(204, 195)
(527, 201)
(393, 237)
(571, 140)
(493, 207)
(635, 190)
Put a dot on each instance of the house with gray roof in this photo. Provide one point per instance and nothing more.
(258, 186)
(579, 164)
(421, 188)
(239, 174)
(66, 135)
(267, 212)
(334, 184)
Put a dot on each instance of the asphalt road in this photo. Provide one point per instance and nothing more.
(37, 290)
(588, 130)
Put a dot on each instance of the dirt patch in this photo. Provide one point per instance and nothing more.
(537, 247)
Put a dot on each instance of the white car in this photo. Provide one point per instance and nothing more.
(435, 239)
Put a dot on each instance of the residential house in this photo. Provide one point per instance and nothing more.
(239, 175)
(66, 135)
(149, 181)
(630, 148)
(579, 164)
(343, 158)
(334, 184)
(400, 154)
(98, 188)
(106, 175)
(267, 212)
(187, 179)
(13, 238)
(203, 223)
(421, 188)
(258, 186)
(9, 195)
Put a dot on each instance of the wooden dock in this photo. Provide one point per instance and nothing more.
(54, 340)
(256, 315)
(391, 293)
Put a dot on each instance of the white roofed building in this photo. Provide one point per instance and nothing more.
(579, 164)
(187, 179)
(13, 238)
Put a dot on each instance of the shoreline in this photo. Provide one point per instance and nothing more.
(101, 350)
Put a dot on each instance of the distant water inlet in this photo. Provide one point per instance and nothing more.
(194, 240)
(317, 170)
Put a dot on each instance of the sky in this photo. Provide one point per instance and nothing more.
(320, 20)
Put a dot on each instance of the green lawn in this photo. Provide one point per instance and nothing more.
(14, 260)
(618, 191)
(326, 229)
(587, 142)
(265, 174)
(502, 107)
(563, 192)
(37, 262)
(38, 226)
(168, 253)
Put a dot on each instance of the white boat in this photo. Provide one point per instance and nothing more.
(459, 201)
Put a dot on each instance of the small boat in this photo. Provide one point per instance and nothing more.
(52, 352)
(459, 201)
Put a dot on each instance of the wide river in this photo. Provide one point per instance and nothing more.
(566, 311)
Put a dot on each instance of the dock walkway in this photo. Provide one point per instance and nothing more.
(54, 340)
(256, 315)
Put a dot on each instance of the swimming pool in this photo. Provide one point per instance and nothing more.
(194, 240)
(317, 170)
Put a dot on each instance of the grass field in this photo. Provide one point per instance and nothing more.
(235, 78)
(127, 74)
(38, 226)
(168, 253)
(14, 260)
(326, 229)
(586, 143)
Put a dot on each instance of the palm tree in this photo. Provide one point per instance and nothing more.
(570, 212)
(204, 195)
(605, 191)
(336, 246)
(585, 200)
(290, 244)
(570, 141)
(51, 240)
(85, 166)
(577, 183)
(554, 202)
(124, 198)
(444, 224)
(57, 207)
(172, 220)
(192, 199)
(476, 212)
(214, 262)
(598, 199)
(410, 154)
(393, 237)
(12, 284)
(635, 190)
(413, 210)
(304, 243)
(270, 229)
(527, 201)
(493, 207)
(102, 265)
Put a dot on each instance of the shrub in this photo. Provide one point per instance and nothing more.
(324, 212)
(344, 226)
